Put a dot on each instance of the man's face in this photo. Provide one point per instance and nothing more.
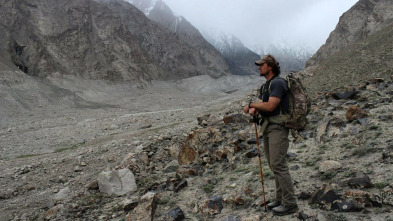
(263, 69)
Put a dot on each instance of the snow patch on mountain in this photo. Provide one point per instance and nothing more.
(222, 41)
(147, 5)
(281, 47)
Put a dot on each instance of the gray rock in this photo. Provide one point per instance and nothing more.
(345, 95)
(146, 208)
(61, 196)
(324, 196)
(77, 169)
(329, 166)
(362, 181)
(171, 167)
(252, 153)
(146, 126)
(203, 119)
(93, 185)
(143, 156)
(117, 182)
(176, 214)
(213, 205)
(181, 185)
(53, 212)
(345, 206)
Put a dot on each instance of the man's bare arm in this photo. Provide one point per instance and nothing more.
(268, 106)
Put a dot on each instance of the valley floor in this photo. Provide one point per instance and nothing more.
(55, 146)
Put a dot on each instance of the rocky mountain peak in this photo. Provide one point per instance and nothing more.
(365, 18)
(103, 39)
(237, 56)
(292, 56)
(358, 49)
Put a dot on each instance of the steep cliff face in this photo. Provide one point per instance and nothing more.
(239, 59)
(109, 39)
(365, 18)
(360, 48)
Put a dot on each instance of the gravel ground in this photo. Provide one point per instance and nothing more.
(50, 126)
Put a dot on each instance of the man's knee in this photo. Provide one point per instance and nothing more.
(278, 167)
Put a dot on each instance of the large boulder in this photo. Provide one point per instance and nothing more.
(117, 182)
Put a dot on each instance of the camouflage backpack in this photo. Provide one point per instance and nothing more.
(299, 103)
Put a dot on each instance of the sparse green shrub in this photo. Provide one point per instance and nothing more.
(344, 135)
(382, 111)
(221, 177)
(362, 150)
(381, 185)
(250, 179)
(374, 127)
(328, 175)
(369, 171)
(321, 152)
(341, 217)
(323, 146)
(348, 173)
(347, 146)
(240, 169)
(268, 174)
(116, 208)
(303, 146)
(310, 162)
(208, 188)
(232, 178)
(143, 182)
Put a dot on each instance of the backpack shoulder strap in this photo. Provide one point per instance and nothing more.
(271, 81)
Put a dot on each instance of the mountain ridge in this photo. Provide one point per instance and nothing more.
(239, 58)
(366, 52)
(371, 16)
(109, 40)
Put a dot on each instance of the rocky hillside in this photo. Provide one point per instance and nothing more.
(361, 46)
(151, 166)
(109, 40)
(159, 12)
(238, 57)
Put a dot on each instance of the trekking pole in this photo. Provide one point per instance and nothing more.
(260, 162)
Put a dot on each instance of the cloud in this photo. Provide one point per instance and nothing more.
(259, 22)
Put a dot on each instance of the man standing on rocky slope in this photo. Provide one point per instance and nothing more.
(274, 101)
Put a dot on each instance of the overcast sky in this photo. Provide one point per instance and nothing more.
(308, 22)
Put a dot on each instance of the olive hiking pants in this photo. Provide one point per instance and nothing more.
(275, 145)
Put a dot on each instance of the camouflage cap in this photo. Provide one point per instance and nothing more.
(267, 58)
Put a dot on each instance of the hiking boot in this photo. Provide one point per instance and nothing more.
(273, 204)
(284, 210)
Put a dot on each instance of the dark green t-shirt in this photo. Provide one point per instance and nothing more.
(279, 89)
